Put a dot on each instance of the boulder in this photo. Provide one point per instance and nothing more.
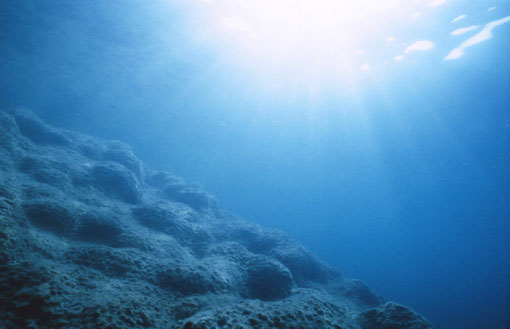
(358, 291)
(302, 264)
(267, 279)
(51, 216)
(175, 189)
(122, 154)
(171, 220)
(260, 276)
(116, 182)
(390, 316)
(187, 279)
(37, 131)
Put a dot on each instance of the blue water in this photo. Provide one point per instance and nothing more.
(397, 172)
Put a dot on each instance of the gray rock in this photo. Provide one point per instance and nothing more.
(258, 276)
(100, 229)
(116, 182)
(91, 238)
(175, 189)
(192, 195)
(9, 131)
(37, 131)
(267, 279)
(359, 291)
(300, 261)
(122, 154)
(390, 316)
(51, 216)
(170, 220)
(188, 279)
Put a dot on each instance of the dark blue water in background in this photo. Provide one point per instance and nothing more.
(400, 178)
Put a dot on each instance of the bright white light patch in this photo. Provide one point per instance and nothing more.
(454, 54)
(486, 33)
(483, 35)
(463, 30)
(305, 41)
(491, 8)
(436, 3)
(399, 58)
(238, 23)
(422, 45)
(456, 19)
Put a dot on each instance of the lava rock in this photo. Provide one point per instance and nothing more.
(91, 238)
(359, 291)
(259, 276)
(51, 216)
(175, 189)
(391, 315)
(172, 221)
(100, 229)
(302, 264)
(121, 153)
(9, 131)
(188, 280)
(37, 131)
(268, 279)
(117, 182)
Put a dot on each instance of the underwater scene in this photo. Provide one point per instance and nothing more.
(255, 164)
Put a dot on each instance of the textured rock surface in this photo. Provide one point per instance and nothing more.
(91, 238)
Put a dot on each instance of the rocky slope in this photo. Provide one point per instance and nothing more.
(91, 238)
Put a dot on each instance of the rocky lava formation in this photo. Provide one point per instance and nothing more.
(91, 238)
